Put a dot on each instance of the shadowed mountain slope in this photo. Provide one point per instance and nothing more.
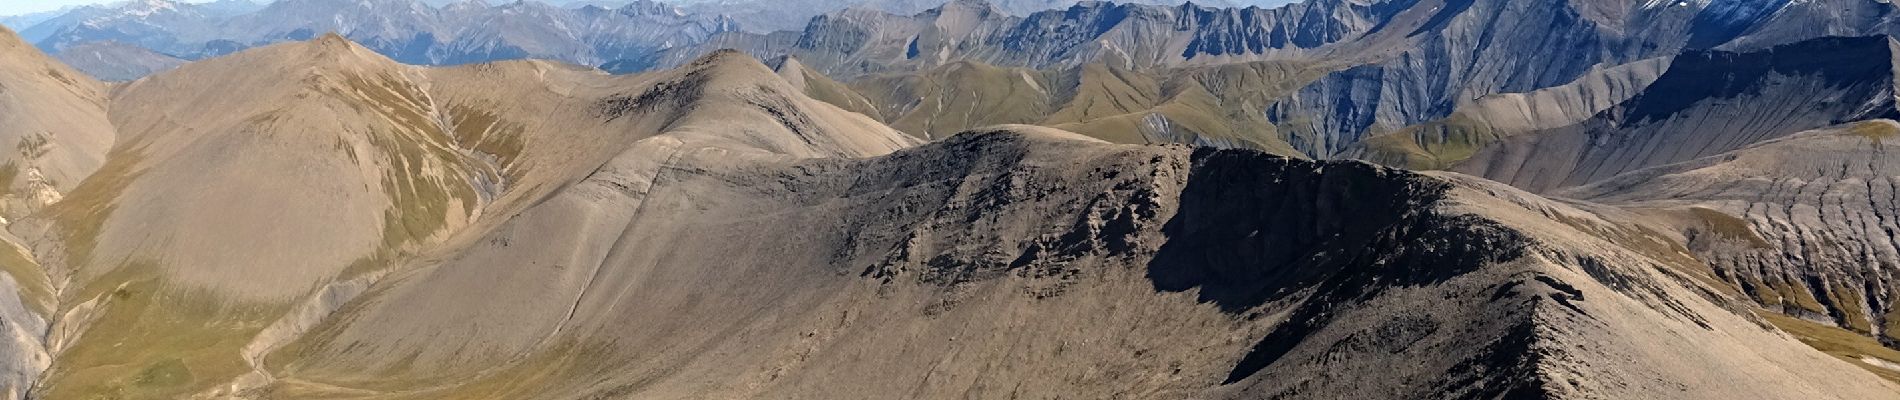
(1707, 103)
(1444, 143)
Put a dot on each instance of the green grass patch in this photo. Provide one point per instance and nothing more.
(959, 96)
(1877, 131)
(486, 132)
(1101, 92)
(9, 174)
(1891, 330)
(1851, 308)
(81, 215)
(1729, 227)
(1798, 296)
(1841, 343)
(36, 290)
(428, 174)
(823, 88)
(153, 341)
(1433, 145)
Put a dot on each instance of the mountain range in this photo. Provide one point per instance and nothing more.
(1333, 199)
(406, 30)
(439, 32)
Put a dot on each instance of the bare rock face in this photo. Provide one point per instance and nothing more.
(1801, 224)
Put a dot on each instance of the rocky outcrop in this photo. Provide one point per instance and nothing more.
(1803, 224)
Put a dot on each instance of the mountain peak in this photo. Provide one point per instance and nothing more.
(650, 7)
(784, 63)
(976, 5)
(331, 51)
(728, 61)
(150, 4)
(332, 40)
(468, 5)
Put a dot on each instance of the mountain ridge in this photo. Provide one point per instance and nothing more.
(1676, 212)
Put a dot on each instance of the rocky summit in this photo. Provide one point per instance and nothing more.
(834, 199)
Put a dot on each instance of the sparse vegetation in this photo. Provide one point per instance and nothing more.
(36, 289)
(1891, 332)
(1433, 145)
(1215, 105)
(1849, 304)
(80, 217)
(1877, 131)
(1729, 227)
(152, 340)
(9, 175)
(1797, 295)
(487, 133)
(34, 146)
(428, 175)
(1848, 346)
(960, 96)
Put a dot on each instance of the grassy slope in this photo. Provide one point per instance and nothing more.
(156, 340)
(1432, 145)
(960, 96)
(1213, 105)
(1838, 342)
